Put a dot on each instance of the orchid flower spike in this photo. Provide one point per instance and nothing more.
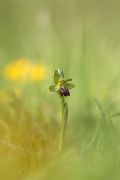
(61, 86)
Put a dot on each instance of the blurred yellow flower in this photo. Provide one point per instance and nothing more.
(24, 70)
(38, 73)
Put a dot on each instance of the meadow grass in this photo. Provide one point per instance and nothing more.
(83, 39)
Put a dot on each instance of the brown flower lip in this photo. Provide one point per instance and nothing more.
(63, 91)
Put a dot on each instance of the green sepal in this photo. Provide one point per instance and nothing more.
(61, 74)
(69, 86)
(56, 76)
(54, 88)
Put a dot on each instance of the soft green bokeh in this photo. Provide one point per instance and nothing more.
(82, 37)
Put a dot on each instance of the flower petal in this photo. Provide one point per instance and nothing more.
(68, 80)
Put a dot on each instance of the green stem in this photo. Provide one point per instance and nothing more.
(63, 123)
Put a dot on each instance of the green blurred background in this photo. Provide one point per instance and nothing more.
(83, 39)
